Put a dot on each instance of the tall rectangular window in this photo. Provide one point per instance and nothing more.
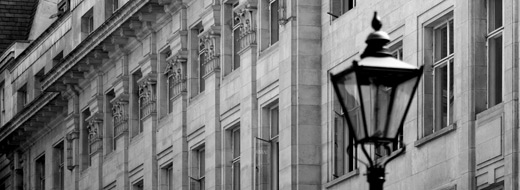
(268, 149)
(235, 148)
(2, 103)
(137, 112)
(167, 177)
(87, 23)
(339, 7)
(202, 61)
(396, 51)
(275, 147)
(494, 50)
(198, 173)
(85, 145)
(197, 59)
(274, 27)
(443, 75)
(111, 113)
(344, 153)
(22, 96)
(59, 166)
(236, 40)
(57, 59)
(115, 5)
(40, 173)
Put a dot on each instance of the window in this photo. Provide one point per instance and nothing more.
(168, 177)
(110, 124)
(397, 52)
(170, 74)
(137, 127)
(235, 151)
(115, 5)
(57, 59)
(343, 152)
(138, 185)
(2, 102)
(198, 56)
(87, 23)
(439, 80)
(59, 166)
(274, 27)
(339, 7)
(236, 40)
(202, 59)
(268, 149)
(494, 46)
(40, 173)
(199, 169)
(23, 97)
(85, 139)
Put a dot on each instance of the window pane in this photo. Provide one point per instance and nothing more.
(236, 48)
(236, 175)
(494, 15)
(335, 7)
(263, 163)
(450, 93)
(451, 48)
(202, 162)
(495, 71)
(441, 94)
(441, 45)
(274, 21)
(236, 144)
(274, 122)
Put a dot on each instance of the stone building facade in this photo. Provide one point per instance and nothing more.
(235, 94)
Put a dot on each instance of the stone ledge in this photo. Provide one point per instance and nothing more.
(342, 178)
(435, 135)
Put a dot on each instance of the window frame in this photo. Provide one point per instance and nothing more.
(235, 36)
(492, 94)
(274, 36)
(235, 184)
(39, 173)
(341, 8)
(447, 61)
(59, 163)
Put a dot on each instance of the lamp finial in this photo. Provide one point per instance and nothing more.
(376, 22)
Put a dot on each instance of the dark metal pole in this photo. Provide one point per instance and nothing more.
(376, 177)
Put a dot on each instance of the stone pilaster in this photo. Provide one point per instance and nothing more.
(210, 41)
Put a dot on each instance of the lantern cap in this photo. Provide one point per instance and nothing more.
(376, 40)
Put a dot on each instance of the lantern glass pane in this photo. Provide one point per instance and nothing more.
(347, 90)
(386, 95)
(403, 95)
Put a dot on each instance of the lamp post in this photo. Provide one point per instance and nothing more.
(375, 94)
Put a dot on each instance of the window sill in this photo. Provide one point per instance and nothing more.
(342, 178)
(435, 135)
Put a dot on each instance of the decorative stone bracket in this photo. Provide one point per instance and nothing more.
(147, 95)
(95, 132)
(247, 18)
(120, 114)
(176, 75)
(210, 46)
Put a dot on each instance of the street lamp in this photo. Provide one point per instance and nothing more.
(375, 94)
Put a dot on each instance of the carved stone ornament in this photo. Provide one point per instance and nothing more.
(120, 115)
(247, 19)
(176, 76)
(209, 46)
(147, 97)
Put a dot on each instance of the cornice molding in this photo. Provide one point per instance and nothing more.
(93, 40)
